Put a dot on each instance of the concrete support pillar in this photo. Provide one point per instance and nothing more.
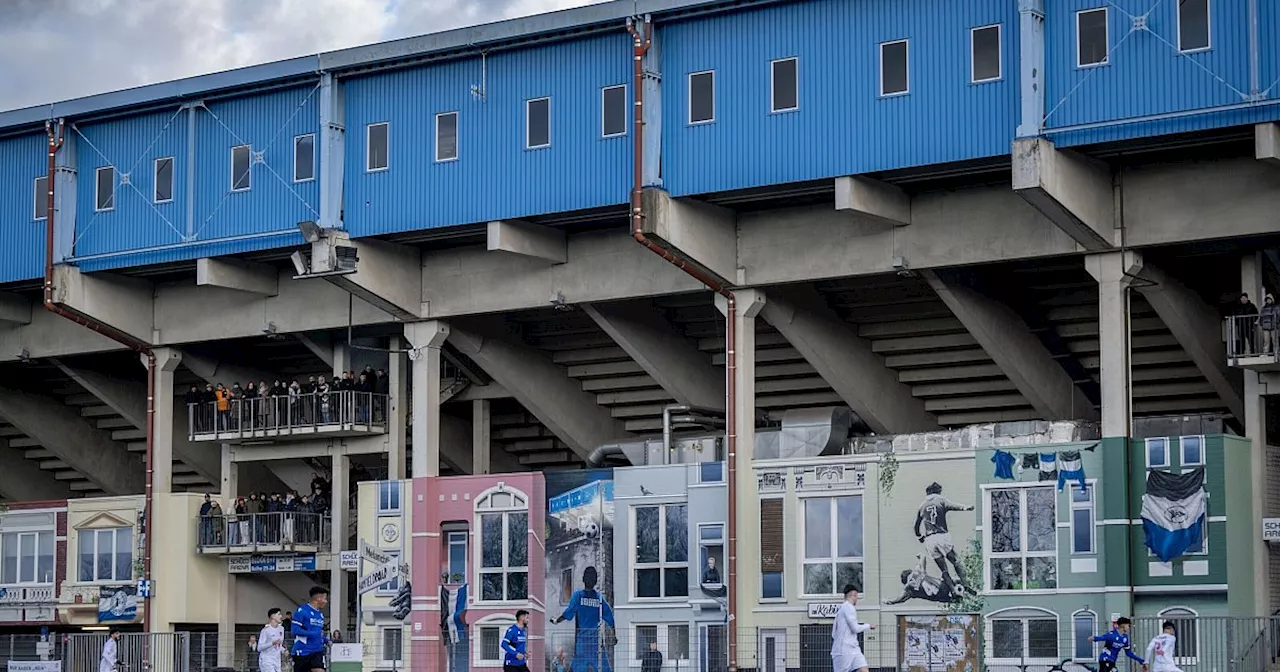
(341, 359)
(1255, 428)
(226, 580)
(397, 408)
(339, 482)
(64, 206)
(1115, 272)
(1266, 143)
(426, 339)
(651, 171)
(167, 361)
(332, 147)
(481, 450)
(749, 303)
(1031, 66)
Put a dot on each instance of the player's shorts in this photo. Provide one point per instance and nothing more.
(311, 661)
(849, 662)
(1106, 666)
(939, 545)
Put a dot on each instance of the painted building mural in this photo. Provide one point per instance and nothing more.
(580, 570)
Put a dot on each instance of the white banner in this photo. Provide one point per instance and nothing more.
(383, 574)
(349, 560)
(35, 666)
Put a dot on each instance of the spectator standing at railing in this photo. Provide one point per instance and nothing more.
(249, 404)
(215, 522)
(242, 521)
(206, 521)
(1268, 321)
(382, 388)
(1246, 322)
(222, 401)
(254, 508)
(192, 399)
(278, 400)
(322, 394)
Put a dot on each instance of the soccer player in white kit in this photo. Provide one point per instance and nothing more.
(271, 642)
(846, 653)
(110, 653)
(1160, 650)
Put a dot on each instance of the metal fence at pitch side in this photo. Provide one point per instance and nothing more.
(135, 652)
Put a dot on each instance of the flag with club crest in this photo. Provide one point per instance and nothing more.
(1173, 512)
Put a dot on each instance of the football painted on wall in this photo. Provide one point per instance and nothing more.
(579, 571)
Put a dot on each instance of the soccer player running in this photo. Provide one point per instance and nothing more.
(1160, 650)
(109, 659)
(308, 633)
(1113, 643)
(587, 608)
(846, 652)
(271, 642)
(515, 645)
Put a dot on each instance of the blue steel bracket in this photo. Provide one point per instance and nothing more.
(1140, 22)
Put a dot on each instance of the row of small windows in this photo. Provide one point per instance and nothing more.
(1093, 40)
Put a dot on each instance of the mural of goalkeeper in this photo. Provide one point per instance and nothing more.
(587, 608)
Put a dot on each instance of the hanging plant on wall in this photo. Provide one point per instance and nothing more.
(971, 601)
(138, 567)
(887, 473)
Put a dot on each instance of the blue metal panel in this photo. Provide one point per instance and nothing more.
(193, 250)
(843, 126)
(22, 160)
(1148, 87)
(495, 177)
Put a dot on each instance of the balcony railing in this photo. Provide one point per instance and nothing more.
(285, 531)
(261, 417)
(1252, 341)
(24, 596)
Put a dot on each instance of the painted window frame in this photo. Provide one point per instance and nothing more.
(457, 538)
(29, 561)
(604, 125)
(711, 543)
(1024, 615)
(1168, 455)
(1181, 614)
(1106, 37)
(833, 559)
(97, 189)
(383, 646)
(483, 507)
(906, 67)
(40, 199)
(1182, 451)
(773, 83)
(368, 148)
(662, 565)
(528, 123)
(390, 497)
(689, 120)
(973, 53)
(1089, 505)
(1208, 28)
(115, 536)
(988, 555)
(248, 170)
(782, 580)
(457, 135)
(479, 656)
(1092, 617)
(155, 180)
(297, 139)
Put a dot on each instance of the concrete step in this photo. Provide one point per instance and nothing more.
(130, 434)
(115, 422)
(98, 412)
(37, 453)
(54, 465)
(23, 442)
(136, 446)
(9, 430)
(81, 400)
(69, 475)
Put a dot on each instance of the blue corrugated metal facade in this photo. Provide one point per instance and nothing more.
(494, 176)
(842, 124)
(22, 160)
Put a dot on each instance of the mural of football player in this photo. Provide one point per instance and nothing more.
(587, 609)
(932, 531)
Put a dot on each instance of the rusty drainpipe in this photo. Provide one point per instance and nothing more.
(56, 137)
(641, 44)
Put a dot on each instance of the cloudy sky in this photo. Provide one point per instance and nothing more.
(53, 50)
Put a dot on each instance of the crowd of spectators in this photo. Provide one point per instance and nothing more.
(268, 519)
(345, 399)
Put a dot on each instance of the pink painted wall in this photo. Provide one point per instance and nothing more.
(439, 500)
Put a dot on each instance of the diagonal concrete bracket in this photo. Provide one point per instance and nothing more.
(1070, 189)
(23, 480)
(125, 304)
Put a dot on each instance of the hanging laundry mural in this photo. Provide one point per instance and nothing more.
(579, 570)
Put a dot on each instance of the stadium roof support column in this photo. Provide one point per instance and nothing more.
(23, 480)
(426, 339)
(1115, 272)
(388, 276)
(1071, 190)
(540, 385)
(125, 304)
(685, 372)
(242, 276)
(1255, 425)
(333, 130)
(107, 464)
(1010, 343)
(846, 361)
(1266, 143)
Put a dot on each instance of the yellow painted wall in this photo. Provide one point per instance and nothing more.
(369, 529)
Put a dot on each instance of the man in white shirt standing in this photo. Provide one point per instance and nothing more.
(1160, 650)
(110, 653)
(846, 653)
(271, 642)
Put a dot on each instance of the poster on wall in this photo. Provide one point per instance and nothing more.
(579, 578)
(938, 642)
(117, 604)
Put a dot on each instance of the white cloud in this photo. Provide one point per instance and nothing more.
(53, 50)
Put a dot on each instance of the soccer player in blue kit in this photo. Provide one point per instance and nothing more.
(309, 639)
(587, 608)
(1113, 643)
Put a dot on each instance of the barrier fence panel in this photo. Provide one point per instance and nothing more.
(30, 648)
(135, 652)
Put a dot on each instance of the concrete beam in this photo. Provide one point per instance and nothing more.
(685, 372)
(475, 392)
(388, 276)
(528, 240)
(705, 233)
(127, 304)
(238, 275)
(873, 199)
(14, 309)
(76, 441)
(1072, 191)
(320, 345)
(1010, 343)
(847, 362)
(1266, 142)
(214, 371)
(1198, 328)
(23, 480)
(539, 384)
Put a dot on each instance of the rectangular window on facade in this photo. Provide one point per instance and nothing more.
(613, 111)
(1025, 639)
(985, 52)
(304, 158)
(457, 556)
(392, 644)
(537, 123)
(1157, 453)
(772, 549)
(1092, 40)
(833, 549)
(1023, 551)
(677, 642)
(388, 496)
(26, 557)
(104, 189)
(1082, 513)
(784, 85)
(893, 68)
(661, 543)
(1082, 631)
(1192, 451)
(241, 158)
(377, 150)
(164, 180)
(491, 642)
(702, 97)
(711, 555)
(711, 472)
(40, 198)
(504, 556)
(645, 636)
(447, 136)
(1193, 25)
(106, 556)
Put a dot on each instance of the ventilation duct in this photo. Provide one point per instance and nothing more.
(807, 432)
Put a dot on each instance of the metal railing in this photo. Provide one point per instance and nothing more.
(249, 532)
(271, 416)
(135, 652)
(1251, 336)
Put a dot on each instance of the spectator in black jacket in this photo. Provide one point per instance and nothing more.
(652, 660)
